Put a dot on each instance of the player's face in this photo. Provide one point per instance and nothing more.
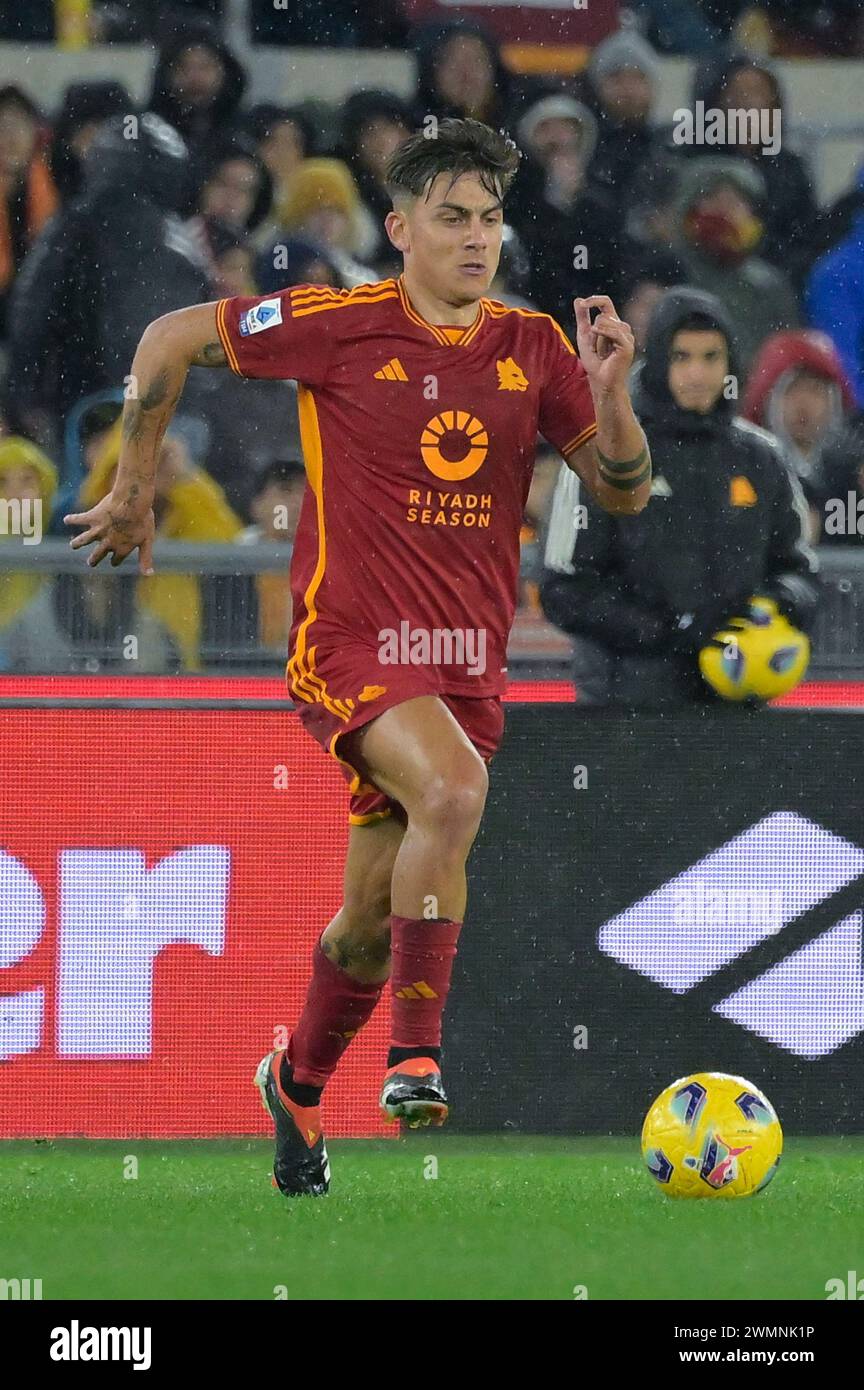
(698, 365)
(452, 239)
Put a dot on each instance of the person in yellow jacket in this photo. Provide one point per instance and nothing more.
(189, 506)
(30, 636)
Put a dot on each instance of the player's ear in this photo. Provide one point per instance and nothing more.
(396, 226)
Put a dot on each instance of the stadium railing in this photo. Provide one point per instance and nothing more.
(227, 640)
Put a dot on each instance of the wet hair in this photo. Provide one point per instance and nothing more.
(457, 147)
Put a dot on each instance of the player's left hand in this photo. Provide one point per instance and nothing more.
(606, 346)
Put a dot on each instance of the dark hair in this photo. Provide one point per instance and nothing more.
(261, 120)
(101, 416)
(225, 149)
(699, 322)
(282, 472)
(454, 146)
(222, 238)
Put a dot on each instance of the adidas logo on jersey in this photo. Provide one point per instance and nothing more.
(391, 371)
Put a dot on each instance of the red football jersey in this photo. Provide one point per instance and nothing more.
(419, 446)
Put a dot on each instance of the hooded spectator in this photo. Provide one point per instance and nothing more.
(234, 184)
(283, 136)
(322, 205)
(799, 391)
(568, 231)
(623, 73)
(643, 594)
(189, 506)
(719, 229)
(198, 85)
(30, 636)
(28, 196)
(86, 106)
(460, 73)
(372, 126)
(112, 261)
(738, 81)
(835, 297)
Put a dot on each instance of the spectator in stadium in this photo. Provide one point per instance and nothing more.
(647, 272)
(275, 511)
(799, 391)
(188, 506)
(323, 206)
(283, 137)
(623, 75)
(567, 233)
(731, 80)
(85, 108)
(231, 259)
(108, 264)
(198, 85)
(649, 222)
(371, 126)
(30, 636)
(274, 505)
(835, 296)
(294, 261)
(28, 196)
(643, 594)
(717, 237)
(460, 73)
(234, 185)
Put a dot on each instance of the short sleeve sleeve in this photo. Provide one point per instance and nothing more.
(276, 336)
(566, 416)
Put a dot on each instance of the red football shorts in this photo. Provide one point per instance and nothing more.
(341, 689)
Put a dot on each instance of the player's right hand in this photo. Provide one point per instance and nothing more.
(120, 526)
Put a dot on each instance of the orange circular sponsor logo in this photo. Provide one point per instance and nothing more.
(476, 444)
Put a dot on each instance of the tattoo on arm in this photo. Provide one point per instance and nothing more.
(211, 355)
(625, 474)
(154, 395)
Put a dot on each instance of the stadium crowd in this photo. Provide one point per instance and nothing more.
(111, 215)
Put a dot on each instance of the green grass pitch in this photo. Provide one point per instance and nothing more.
(505, 1218)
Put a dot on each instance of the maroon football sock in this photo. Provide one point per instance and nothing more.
(422, 954)
(336, 1008)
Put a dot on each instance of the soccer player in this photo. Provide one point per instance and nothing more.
(420, 403)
